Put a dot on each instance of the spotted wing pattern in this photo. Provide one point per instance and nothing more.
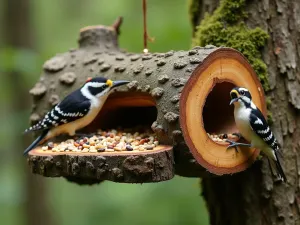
(260, 126)
(73, 107)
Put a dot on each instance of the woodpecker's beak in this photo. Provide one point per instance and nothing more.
(233, 101)
(119, 83)
(234, 96)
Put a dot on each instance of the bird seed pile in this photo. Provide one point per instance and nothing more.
(106, 141)
(223, 137)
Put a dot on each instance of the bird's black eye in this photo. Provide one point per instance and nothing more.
(242, 92)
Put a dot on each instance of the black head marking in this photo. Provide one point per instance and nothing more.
(242, 95)
(94, 90)
(97, 80)
(244, 92)
(97, 85)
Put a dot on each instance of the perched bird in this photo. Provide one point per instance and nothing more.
(255, 129)
(75, 111)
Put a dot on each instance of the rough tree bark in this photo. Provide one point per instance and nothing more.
(251, 197)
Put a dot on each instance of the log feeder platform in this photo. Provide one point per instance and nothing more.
(183, 96)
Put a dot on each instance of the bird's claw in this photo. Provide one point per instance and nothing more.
(232, 144)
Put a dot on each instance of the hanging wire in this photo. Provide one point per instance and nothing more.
(146, 36)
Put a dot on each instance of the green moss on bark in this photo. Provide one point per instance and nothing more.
(226, 27)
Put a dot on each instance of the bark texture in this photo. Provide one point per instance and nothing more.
(251, 197)
(153, 166)
(157, 81)
(206, 94)
(161, 76)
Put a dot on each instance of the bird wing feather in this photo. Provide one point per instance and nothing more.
(72, 107)
(260, 126)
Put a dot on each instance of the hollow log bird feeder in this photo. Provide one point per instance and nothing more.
(183, 96)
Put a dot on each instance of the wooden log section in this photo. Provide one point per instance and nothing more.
(88, 168)
(127, 109)
(200, 79)
(204, 108)
(151, 99)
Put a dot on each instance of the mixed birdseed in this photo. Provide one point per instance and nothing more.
(106, 141)
(223, 137)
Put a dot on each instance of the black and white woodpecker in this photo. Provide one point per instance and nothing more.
(75, 111)
(255, 129)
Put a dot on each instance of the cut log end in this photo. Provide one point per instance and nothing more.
(206, 116)
(88, 168)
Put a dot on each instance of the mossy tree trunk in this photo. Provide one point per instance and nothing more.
(251, 197)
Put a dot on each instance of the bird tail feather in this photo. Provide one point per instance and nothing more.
(279, 168)
(276, 168)
(36, 142)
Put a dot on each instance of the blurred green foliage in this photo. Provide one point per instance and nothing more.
(55, 25)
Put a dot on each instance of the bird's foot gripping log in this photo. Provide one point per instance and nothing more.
(182, 96)
(235, 144)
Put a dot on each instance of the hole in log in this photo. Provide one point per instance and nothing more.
(123, 124)
(205, 113)
(138, 158)
(125, 110)
(218, 115)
